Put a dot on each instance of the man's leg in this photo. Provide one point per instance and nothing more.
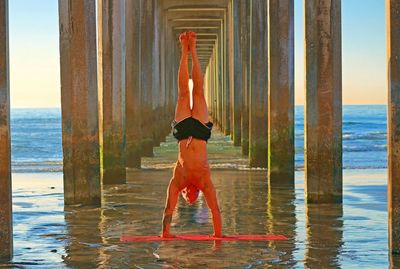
(182, 110)
(199, 110)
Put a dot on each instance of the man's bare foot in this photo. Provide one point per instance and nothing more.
(183, 39)
(192, 37)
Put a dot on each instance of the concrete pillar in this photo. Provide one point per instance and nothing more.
(112, 43)
(146, 75)
(281, 92)
(245, 52)
(79, 98)
(225, 70)
(156, 83)
(393, 59)
(323, 109)
(236, 73)
(218, 84)
(258, 95)
(6, 229)
(133, 116)
(165, 115)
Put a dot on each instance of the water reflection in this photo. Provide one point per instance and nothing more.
(281, 219)
(83, 236)
(324, 231)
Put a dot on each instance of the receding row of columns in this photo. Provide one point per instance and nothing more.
(116, 104)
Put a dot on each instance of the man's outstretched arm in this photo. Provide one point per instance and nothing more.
(211, 199)
(170, 203)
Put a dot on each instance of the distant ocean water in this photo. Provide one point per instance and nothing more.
(37, 147)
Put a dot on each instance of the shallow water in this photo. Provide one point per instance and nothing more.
(352, 235)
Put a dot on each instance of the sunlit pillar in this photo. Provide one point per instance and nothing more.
(323, 109)
(258, 95)
(147, 75)
(112, 34)
(245, 16)
(6, 231)
(156, 83)
(281, 92)
(225, 71)
(133, 109)
(236, 71)
(165, 115)
(393, 60)
(219, 89)
(79, 101)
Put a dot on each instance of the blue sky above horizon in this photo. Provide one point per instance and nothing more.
(34, 52)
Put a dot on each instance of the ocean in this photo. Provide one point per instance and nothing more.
(37, 146)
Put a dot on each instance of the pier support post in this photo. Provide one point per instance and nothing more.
(112, 34)
(146, 75)
(133, 122)
(245, 16)
(281, 92)
(323, 109)
(258, 137)
(79, 102)
(236, 70)
(6, 230)
(225, 40)
(393, 60)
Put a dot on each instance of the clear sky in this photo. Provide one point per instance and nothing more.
(34, 52)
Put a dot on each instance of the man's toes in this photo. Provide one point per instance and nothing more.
(183, 36)
(192, 35)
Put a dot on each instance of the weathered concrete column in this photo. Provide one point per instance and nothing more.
(146, 75)
(323, 115)
(225, 71)
(214, 74)
(156, 83)
(236, 73)
(258, 95)
(112, 43)
(281, 92)
(79, 98)
(393, 59)
(6, 229)
(133, 116)
(245, 15)
(166, 116)
(218, 84)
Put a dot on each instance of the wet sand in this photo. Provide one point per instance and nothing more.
(352, 235)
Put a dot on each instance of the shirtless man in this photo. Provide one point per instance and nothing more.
(192, 129)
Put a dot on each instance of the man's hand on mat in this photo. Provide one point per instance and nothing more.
(217, 235)
(168, 235)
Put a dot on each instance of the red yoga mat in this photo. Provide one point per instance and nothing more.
(201, 237)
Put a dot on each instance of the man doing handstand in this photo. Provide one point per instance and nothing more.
(192, 129)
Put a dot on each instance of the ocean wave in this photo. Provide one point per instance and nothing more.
(365, 136)
(364, 148)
